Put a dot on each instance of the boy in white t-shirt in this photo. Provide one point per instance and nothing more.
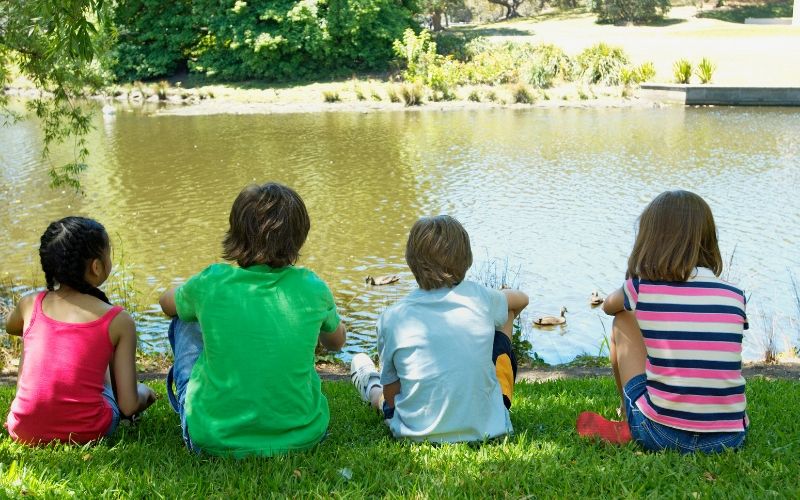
(448, 368)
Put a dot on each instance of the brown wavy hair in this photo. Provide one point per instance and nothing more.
(676, 234)
(268, 225)
(438, 252)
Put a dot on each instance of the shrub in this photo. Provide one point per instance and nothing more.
(491, 96)
(548, 63)
(630, 11)
(682, 69)
(412, 94)
(521, 94)
(425, 66)
(474, 96)
(645, 72)
(359, 93)
(705, 70)
(392, 94)
(331, 96)
(640, 74)
(161, 90)
(289, 39)
(375, 95)
(602, 64)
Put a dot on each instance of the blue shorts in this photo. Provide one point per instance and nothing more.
(655, 436)
(108, 394)
(186, 341)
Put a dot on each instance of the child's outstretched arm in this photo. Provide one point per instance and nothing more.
(167, 302)
(614, 303)
(15, 322)
(131, 397)
(517, 301)
(333, 341)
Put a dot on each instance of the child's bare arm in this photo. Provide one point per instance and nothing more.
(390, 391)
(131, 397)
(517, 301)
(615, 302)
(333, 341)
(15, 322)
(167, 302)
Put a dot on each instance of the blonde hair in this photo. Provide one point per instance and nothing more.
(676, 234)
(438, 252)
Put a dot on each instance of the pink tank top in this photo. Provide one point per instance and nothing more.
(59, 393)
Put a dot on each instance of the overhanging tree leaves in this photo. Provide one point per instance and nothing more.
(55, 44)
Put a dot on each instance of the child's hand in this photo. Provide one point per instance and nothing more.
(146, 396)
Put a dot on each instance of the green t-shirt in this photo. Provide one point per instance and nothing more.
(254, 389)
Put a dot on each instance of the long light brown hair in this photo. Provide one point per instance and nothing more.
(268, 225)
(676, 234)
(438, 252)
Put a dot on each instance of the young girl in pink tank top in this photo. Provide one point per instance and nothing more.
(77, 375)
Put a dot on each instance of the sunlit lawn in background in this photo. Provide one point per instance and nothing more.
(544, 459)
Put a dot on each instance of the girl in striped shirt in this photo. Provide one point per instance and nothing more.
(676, 346)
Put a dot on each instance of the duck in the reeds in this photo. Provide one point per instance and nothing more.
(595, 299)
(382, 280)
(552, 320)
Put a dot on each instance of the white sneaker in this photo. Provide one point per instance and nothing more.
(364, 375)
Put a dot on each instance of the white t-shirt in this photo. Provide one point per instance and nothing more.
(438, 344)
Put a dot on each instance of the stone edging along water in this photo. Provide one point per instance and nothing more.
(721, 95)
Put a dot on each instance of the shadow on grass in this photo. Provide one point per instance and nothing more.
(493, 31)
(657, 23)
(738, 13)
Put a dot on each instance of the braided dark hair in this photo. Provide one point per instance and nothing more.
(67, 246)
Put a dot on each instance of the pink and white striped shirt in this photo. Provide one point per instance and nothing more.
(693, 333)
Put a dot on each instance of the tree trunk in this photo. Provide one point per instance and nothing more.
(436, 21)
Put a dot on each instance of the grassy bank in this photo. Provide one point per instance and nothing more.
(544, 459)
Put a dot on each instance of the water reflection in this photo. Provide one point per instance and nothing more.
(555, 192)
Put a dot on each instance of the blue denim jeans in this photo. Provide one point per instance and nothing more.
(655, 436)
(108, 394)
(186, 342)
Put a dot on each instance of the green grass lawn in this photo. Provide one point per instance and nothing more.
(544, 459)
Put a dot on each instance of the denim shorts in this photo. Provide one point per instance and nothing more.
(186, 341)
(108, 394)
(654, 436)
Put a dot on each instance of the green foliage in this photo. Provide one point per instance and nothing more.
(153, 38)
(705, 70)
(520, 346)
(412, 94)
(56, 44)
(630, 11)
(682, 70)
(738, 13)
(331, 96)
(645, 72)
(640, 74)
(602, 64)
(521, 94)
(392, 94)
(474, 96)
(264, 39)
(549, 63)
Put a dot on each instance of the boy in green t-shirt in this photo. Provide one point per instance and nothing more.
(244, 336)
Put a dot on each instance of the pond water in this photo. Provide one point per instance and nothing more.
(551, 195)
